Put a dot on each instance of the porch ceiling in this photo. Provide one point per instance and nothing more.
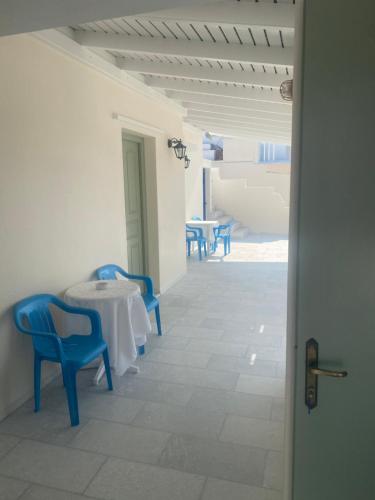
(223, 62)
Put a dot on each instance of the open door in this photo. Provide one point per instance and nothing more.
(332, 292)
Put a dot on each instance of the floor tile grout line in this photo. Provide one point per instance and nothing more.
(224, 414)
(68, 446)
(40, 485)
(203, 488)
(96, 474)
(12, 448)
(171, 436)
(31, 484)
(26, 490)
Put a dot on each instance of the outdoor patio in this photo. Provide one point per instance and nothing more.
(203, 420)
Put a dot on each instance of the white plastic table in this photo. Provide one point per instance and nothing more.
(125, 321)
(207, 228)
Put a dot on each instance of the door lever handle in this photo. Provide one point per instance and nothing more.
(312, 372)
(328, 373)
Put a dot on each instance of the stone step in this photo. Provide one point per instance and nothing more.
(216, 214)
(226, 219)
(235, 225)
(240, 233)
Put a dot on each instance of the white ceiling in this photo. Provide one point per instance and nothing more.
(24, 16)
(223, 62)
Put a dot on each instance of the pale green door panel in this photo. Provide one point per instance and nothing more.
(133, 205)
(334, 447)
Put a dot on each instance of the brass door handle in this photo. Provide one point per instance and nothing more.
(328, 373)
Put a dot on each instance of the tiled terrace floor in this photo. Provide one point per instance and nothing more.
(203, 420)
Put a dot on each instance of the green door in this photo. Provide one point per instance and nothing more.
(334, 446)
(133, 205)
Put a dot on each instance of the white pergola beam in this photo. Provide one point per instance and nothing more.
(243, 93)
(241, 132)
(244, 126)
(201, 73)
(218, 111)
(262, 122)
(262, 127)
(225, 103)
(23, 16)
(224, 13)
(219, 51)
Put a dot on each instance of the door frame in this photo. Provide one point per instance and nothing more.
(142, 171)
(293, 250)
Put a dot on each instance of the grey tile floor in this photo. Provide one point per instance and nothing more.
(203, 420)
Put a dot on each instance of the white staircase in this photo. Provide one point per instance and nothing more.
(239, 232)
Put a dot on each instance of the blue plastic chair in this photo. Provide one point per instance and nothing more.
(195, 235)
(33, 317)
(223, 232)
(108, 272)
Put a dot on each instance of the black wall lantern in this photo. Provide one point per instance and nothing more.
(179, 148)
(187, 162)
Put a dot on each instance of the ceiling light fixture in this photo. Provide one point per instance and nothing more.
(286, 90)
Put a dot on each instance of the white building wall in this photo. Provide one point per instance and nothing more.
(236, 149)
(62, 211)
(259, 200)
(257, 195)
(194, 174)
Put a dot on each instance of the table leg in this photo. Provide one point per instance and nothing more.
(133, 369)
(101, 371)
(99, 374)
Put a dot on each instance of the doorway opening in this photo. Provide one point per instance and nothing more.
(135, 203)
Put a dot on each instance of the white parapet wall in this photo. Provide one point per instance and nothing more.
(257, 195)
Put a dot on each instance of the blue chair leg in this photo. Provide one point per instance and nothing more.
(188, 248)
(229, 242)
(141, 350)
(200, 250)
(205, 248)
(107, 369)
(71, 392)
(37, 375)
(225, 246)
(158, 322)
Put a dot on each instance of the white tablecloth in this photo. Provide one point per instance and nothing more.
(125, 321)
(206, 226)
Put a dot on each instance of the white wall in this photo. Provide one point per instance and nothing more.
(194, 174)
(237, 149)
(61, 186)
(255, 195)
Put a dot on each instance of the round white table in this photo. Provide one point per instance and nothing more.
(207, 228)
(125, 321)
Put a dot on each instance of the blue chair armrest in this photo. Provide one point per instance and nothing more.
(146, 279)
(94, 316)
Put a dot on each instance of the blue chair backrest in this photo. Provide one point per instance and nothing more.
(108, 272)
(223, 230)
(197, 230)
(191, 234)
(195, 217)
(32, 315)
